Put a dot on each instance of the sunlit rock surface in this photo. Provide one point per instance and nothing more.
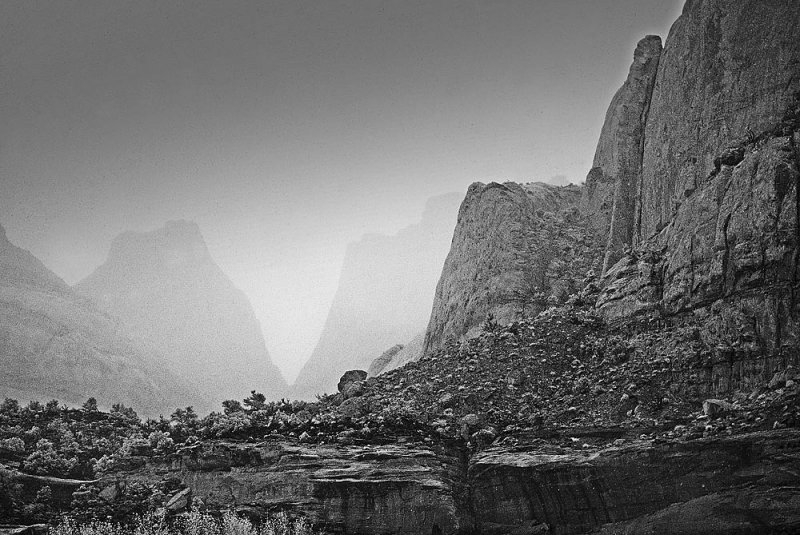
(509, 237)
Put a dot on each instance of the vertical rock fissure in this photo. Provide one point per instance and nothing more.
(636, 231)
(726, 254)
(796, 257)
(691, 266)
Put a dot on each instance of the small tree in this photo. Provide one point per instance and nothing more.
(230, 406)
(90, 405)
(256, 401)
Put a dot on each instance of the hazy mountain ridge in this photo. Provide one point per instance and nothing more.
(167, 290)
(384, 296)
(57, 344)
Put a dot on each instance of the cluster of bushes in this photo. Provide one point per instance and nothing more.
(55, 440)
(192, 523)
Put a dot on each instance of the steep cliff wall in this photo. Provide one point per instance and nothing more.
(168, 291)
(718, 232)
(609, 197)
(57, 344)
(511, 242)
(384, 296)
(729, 70)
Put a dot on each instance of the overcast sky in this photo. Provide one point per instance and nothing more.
(287, 129)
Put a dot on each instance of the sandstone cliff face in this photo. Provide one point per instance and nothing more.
(729, 69)
(611, 186)
(733, 485)
(509, 237)
(56, 344)
(384, 296)
(719, 187)
(168, 291)
(341, 489)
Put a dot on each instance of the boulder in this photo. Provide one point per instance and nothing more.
(180, 501)
(714, 408)
(349, 379)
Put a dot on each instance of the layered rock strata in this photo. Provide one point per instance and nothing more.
(735, 485)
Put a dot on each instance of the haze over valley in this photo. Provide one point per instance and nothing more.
(461, 267)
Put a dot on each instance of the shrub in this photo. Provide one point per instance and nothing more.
(47, 461)
(13, 444)
(193, 523)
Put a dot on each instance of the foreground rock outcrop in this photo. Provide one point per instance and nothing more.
(384, 297)
(368, 489)
(736, 485)
(57, 344)
(168, 291)
(733, 485)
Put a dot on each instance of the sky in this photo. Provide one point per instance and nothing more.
(287, 129)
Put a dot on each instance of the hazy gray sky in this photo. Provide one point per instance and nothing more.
(287, 129)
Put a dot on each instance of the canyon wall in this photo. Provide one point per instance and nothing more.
(609, 197)
(729, 71)
(512, 242)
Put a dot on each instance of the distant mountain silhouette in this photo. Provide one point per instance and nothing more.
(55, 344)
(384, 297)
(166, 288)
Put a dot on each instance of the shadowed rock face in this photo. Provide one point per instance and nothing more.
(57, 344)
(731, 485)
(342, 489)
(500, 228)
(611, 186)
(384, 296)
(729, 68)
(742, 484)
(168, 291)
